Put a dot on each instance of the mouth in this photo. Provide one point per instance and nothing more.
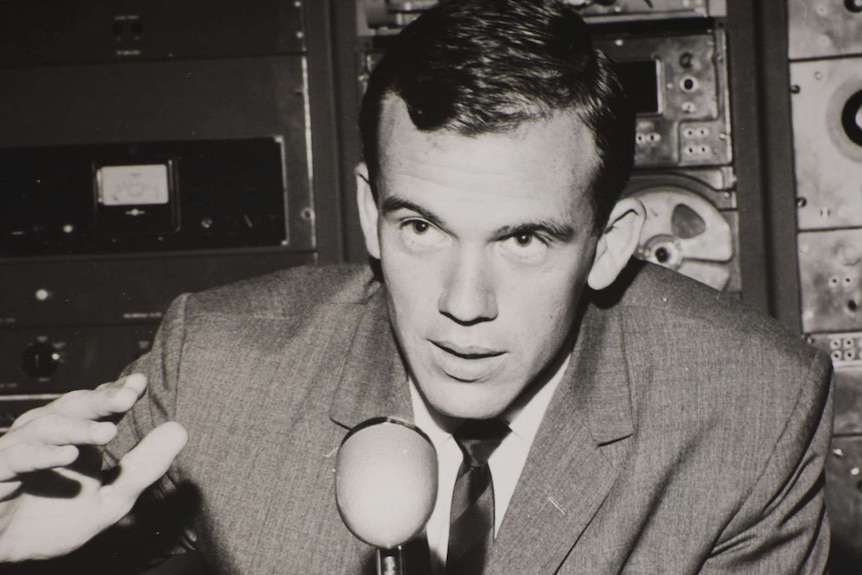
(467, 351)
(466, 363)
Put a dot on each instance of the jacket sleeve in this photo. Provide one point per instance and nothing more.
(160, 524)
(782, 526)
(158, 404)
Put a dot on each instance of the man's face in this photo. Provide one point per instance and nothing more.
(485, 244)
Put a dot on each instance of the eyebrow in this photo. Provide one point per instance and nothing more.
(395, 203)
(556, 230)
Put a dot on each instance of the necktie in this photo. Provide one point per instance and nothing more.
(471, 523)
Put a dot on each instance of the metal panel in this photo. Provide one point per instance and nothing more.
(844, 503)
(820, 28)
(90, 31)
(55, 360)
(692, 125)
(165, 196)
(830, 269)
(121, 289)
(389, 16)
(827, 140)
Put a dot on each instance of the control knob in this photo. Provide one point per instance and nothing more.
(40, 359)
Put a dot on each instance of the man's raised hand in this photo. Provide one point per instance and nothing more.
(53, 496)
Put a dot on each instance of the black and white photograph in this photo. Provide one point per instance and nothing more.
(430, 287)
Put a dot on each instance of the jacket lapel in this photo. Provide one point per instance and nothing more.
(373, 381)
(567, 476)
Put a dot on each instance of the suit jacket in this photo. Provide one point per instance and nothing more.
(687, 436)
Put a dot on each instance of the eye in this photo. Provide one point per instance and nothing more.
(419, 226)
(418, 234)
(525, 246)
(523, 240)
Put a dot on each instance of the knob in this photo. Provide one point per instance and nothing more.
(40, 359)
(851, 117)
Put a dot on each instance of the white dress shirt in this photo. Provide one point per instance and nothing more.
(506, 462)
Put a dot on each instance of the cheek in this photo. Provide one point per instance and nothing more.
(545, 307)
(541, 319)
(411, 285)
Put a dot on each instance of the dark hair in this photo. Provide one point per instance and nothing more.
(486, 66)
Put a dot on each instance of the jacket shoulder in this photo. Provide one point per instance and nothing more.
(288, 292)
(688, 345)
(666, 308)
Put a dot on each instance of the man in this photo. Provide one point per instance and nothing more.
(652, 426)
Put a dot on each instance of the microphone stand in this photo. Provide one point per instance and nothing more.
(390, 561)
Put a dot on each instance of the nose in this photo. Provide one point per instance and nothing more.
(469, 293)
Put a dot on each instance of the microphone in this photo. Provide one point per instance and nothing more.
(386, 486)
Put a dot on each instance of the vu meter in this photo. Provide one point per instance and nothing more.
(136, 198)
(133, 185)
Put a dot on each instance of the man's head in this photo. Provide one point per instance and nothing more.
(487, 66)
(482, 212)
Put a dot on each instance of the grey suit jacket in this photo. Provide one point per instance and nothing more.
(688, 435)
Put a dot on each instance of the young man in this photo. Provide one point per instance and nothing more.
(649, 425)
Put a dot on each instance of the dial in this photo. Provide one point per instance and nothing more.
(40, 359)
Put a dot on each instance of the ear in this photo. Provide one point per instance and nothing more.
(368, 212)
(617, 243)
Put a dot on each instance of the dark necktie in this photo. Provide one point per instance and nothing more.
(471, 523)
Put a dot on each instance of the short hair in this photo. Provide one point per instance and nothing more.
(487, 66)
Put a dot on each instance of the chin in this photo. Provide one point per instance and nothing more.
(468, 401)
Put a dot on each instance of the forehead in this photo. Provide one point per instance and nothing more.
(551, 161)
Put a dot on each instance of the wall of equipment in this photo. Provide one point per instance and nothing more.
(150, 148)
(812, 72)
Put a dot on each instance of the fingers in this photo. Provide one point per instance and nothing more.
(46, 437)
(147, 462)
(57, 429)
(106, 400)
(28, 457)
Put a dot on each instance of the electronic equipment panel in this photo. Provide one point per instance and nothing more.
(143, 197)
(683, 151)
(679, 86)
(825, 58)
(692, 224)
(389, 16)
(148, 148)
(645, 10)
(827, 137)
(821, 28)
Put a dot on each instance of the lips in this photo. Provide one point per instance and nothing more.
(465, 363)
(466, 351)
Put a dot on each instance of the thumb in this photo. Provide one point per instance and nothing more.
(146, 463)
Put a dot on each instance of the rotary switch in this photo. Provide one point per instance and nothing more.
(40, 359)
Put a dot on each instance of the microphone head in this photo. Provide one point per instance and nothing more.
(385, 481)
